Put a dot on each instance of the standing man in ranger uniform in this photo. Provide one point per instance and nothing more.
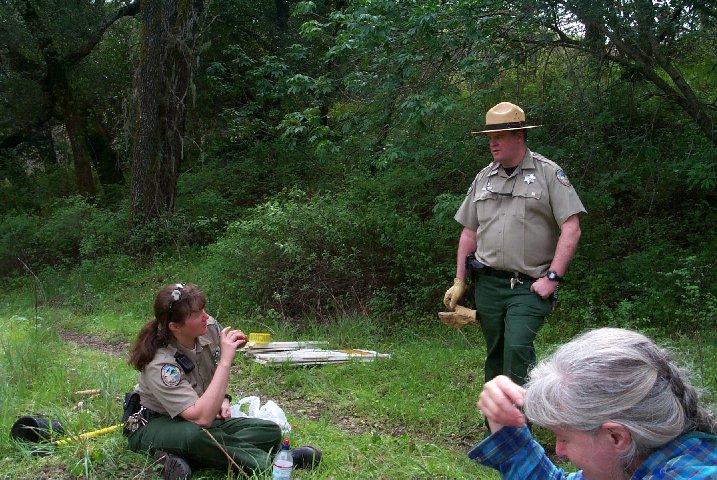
(521, 217)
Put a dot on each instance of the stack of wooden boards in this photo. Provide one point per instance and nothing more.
(305, 353)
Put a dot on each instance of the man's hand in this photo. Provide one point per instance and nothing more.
(500, 403)
(459, 318)
(543, 287)
(453, 294)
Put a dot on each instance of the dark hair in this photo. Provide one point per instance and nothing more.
(168, 309)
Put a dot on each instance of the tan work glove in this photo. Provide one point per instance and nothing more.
(461, 317)
(453, 294)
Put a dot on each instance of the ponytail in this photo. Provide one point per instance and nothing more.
(699, 418)
(148, 341)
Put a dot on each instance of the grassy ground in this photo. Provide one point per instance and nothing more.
(410, 417)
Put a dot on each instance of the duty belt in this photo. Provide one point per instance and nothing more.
(505, 274)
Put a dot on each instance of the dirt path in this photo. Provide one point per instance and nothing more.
(95, 343)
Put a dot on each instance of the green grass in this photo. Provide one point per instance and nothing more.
(412, 416)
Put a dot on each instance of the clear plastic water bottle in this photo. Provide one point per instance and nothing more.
(283, 463)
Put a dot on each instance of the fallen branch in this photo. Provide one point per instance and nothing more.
(229, 457)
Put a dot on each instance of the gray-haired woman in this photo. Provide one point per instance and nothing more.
(620, 409)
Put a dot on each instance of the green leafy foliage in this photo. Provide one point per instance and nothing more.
(327, 151)
(300, 252)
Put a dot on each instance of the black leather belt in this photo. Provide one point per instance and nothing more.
(152, 414)
(505, 274)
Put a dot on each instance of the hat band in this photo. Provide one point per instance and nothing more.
(503, 126)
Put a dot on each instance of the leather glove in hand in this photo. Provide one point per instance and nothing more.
(459, 318)
(453, 294)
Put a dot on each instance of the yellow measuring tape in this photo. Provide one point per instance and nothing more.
(83, 436)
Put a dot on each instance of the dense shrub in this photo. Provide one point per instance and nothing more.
(50, 239)
(15, 241)
(66, 232)
(299, 252)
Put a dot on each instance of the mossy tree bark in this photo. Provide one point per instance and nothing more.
(163, 89)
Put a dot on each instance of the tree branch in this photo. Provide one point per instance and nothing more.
(95, 36)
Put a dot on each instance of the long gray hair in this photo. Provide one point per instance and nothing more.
(621, 376)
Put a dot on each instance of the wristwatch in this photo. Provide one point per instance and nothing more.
(553, 277)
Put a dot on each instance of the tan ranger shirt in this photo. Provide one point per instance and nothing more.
(517, 218)
(166, 388)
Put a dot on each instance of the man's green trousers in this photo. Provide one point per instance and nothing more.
(510, 319)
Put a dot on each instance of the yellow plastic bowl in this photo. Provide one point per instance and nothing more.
(259, 338)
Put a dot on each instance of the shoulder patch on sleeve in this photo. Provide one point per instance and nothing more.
(171, 375)
(562, 178)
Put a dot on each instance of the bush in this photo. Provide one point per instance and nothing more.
(16, 232)
(301, 253)
(46, 240)
(104, 233)
(69, 231)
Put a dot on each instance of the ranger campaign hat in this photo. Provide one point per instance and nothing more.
(505, 116)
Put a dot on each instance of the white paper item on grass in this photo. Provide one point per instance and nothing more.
(251, 407)
(310, 356)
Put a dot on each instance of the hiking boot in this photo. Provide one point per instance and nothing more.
(306, 456)
(173, 466)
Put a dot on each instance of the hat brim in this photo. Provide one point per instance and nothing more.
(488, 130)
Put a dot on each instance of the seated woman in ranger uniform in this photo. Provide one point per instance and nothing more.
(181, 411)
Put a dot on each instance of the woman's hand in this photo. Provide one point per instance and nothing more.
(230, 341)
(224, 411)
(500, 402)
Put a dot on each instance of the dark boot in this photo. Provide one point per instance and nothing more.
(306, 457)
(174, 467)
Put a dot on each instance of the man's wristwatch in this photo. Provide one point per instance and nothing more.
(553, 277)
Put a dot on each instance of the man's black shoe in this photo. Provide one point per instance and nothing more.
(306, 456)
(174, 467)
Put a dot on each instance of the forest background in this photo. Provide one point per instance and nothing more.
(302, 162)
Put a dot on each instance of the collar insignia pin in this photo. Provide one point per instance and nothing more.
(529, 179)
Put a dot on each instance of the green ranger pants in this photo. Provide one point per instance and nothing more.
(251, 442)
(510, 319)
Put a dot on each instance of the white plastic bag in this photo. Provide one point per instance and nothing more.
(251, 407)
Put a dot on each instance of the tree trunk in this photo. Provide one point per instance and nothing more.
(77, 133)
(104, 158)
(55, 79)
(282, 15)
(163, 81)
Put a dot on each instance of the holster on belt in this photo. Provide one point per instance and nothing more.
(473, 266)
(131, 405)
(134, 415)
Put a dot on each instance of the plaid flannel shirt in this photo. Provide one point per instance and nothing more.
(514, 453)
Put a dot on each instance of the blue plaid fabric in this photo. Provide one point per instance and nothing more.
(514, 453)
